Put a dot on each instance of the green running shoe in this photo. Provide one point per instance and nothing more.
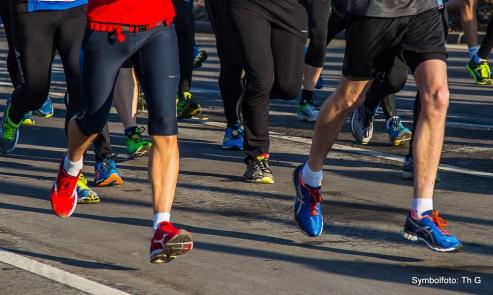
(137, 146)
(9, 133)
(186, 107)
(481, 73)
(85, 195)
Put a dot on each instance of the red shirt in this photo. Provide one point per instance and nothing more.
(130, 12)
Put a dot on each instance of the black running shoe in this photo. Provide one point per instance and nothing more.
(258, 170)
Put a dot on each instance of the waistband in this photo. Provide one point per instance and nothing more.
(120, 29)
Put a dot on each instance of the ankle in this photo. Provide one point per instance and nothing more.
(160, 217)
(72, 168)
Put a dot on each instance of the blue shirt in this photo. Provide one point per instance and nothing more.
(37, 5)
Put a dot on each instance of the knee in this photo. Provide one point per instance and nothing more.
(166, 143)
(260, 86)
(435, 101)
(348, 98)
(90, 123)
(397, 81)
(288, 89)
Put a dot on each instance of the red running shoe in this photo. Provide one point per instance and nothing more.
(169, 242)
(64, 194)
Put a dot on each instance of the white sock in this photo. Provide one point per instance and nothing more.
(160, 217)
(473, 51)
(310, 177)
(72, 168)
(422, 205)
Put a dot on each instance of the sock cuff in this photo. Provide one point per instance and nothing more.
(160, 217)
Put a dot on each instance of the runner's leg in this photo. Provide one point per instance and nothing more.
(318, 17)
(231, 68)
(160, 69)
(184, 25)
(33, 38)
(470, 24)
(487, 43)
(5, 13)
(125, 98)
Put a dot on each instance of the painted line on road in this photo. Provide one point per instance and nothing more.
(57, 275)
(363, 152)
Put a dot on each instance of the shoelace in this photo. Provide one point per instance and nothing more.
(82, 178)
(439, 221)
(262, 165)
(136, 135)
(366, 120)
(106, 165)
(395, 123)
(316, 198)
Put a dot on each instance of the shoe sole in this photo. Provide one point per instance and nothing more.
(179, 245)
(190, 115)
(263, 180)
(231, 148)
(403, 138)
(407, 175)
(5, 151)
(305, 119)
(89, 200)
(144, 151)
(110, 181)
(410, 176)
(44, 115)
(414, 238)
(28, 122)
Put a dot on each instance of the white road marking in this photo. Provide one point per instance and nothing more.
(364, 152)
(57, 275)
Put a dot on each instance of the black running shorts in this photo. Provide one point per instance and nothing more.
(372, 43)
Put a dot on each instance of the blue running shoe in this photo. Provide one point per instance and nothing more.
(320, 83)
(9, 133)
(46, 110)
(233, 138)
(430, 228)
(397, 132)
(107, 174)
(306, 209)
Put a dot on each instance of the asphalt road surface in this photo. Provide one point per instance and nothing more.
(245, 239)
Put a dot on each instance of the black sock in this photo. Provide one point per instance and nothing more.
(306, 96)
